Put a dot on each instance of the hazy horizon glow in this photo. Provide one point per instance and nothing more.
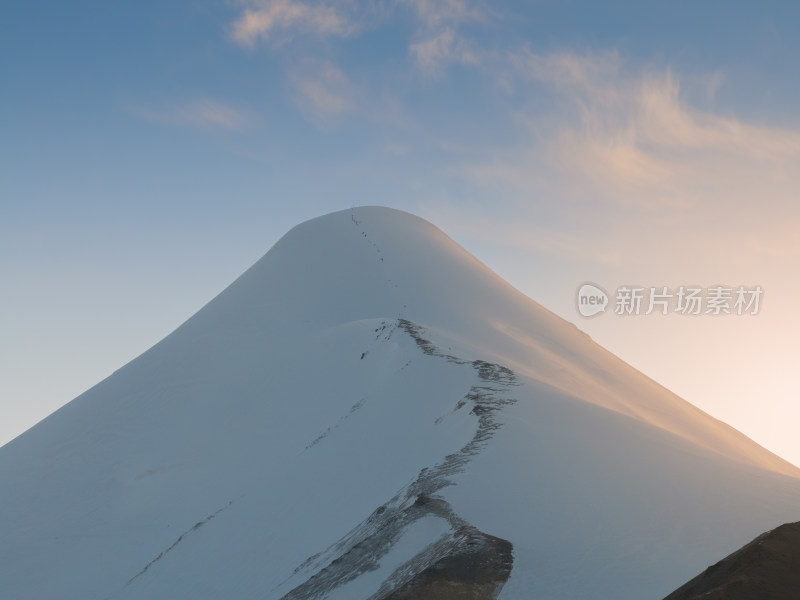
(155, 152)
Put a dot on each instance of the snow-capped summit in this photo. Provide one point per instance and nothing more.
(370, 412)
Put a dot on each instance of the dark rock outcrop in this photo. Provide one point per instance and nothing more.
(476, 571)
(768, 568)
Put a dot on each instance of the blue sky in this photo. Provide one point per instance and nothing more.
(153, 151)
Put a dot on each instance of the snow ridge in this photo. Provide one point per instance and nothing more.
(363, 548)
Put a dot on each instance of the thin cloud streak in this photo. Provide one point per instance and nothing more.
(203, 114)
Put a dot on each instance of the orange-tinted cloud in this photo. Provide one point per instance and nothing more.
(264, 17)
(628, 153)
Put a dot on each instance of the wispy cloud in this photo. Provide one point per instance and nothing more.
(628, 162)
(440, 49)
(605, 148)
(322, 92)
(436, 13)
(202, 113)
(263, 18)
(437, 41)
(565, 71)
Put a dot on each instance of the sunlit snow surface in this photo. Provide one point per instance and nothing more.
(365, 362)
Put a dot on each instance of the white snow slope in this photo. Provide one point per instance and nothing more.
(335, 420)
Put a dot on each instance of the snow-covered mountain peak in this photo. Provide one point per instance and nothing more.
(369, 412)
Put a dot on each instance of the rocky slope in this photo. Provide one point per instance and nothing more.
(768, 568)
